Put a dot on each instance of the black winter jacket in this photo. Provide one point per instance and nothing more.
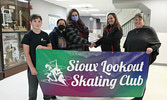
(110, 40)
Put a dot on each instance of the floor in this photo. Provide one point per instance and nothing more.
(16, 87)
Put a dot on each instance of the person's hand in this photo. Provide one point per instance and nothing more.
(92, 45)
(33, 71)
(99, 35)
(39, 47)
(149, 50)
(91, 31)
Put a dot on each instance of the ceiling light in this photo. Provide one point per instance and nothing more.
(81, 6)
(62, 0)
(90, 10)
(25, 1)
(98, 14)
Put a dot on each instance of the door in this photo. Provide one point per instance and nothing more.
(1, 48)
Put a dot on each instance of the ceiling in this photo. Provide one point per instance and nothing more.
(100, 7)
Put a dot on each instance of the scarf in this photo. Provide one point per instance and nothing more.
(82, 32)
(79, 27)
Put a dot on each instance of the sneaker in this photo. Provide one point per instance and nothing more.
(53, 97)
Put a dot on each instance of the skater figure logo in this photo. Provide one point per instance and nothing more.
(54, 74)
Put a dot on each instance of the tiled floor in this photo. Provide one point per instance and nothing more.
(16, 87)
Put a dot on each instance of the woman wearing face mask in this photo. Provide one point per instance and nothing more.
(142, 38)
(112, 34)
(76, 32)
(57, 36)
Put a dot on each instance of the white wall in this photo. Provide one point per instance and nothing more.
(86, 20)
(126, 14)
(158, 15)
(162, 57)
(44, 8)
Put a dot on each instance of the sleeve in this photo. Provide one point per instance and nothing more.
(87, 31)
(154, 44)
(54, 41)
(50, 35)
(124, 45)
(47, 39)
(98, 42)
(72, 36)
(154, 41)
(26, 39)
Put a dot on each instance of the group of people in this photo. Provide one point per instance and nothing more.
(72, 34)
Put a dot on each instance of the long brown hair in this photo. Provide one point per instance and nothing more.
(70, 14)
(116, 23)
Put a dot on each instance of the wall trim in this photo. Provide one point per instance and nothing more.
(1, 75)
(160, 64)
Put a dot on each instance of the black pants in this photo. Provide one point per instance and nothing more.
(33, 86)
(137, 98)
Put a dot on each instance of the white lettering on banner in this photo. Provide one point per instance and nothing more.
(127, 80)
(75, 66)
(97, 82)
(107, 68)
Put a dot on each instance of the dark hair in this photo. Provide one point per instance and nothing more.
(61, 20)
(70, 14)
(116, 23)
(140, 15)
(35, 16)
